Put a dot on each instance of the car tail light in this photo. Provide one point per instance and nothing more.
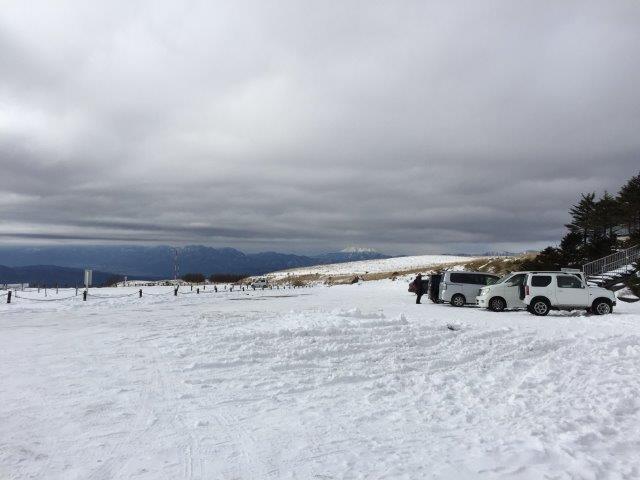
(526, 290)
(444, 286)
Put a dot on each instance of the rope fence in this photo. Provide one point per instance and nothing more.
(85, 294)
(115, 296)
(44, 299)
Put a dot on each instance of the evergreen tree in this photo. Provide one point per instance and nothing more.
(583, 216)
(608, 215)
(571, 249)
(593, 230)
(193, 277)
(629, 201)
(633, 282)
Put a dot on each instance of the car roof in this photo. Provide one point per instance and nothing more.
(469, 271)
(555, 271)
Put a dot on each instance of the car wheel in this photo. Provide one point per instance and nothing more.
(540, 307)
(496, 304)
(601, 307)
(458, 300)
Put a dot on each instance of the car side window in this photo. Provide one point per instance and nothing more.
(541, 281)
(568, 281)
(457, 278)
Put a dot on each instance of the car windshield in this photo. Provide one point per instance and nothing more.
(503, 279)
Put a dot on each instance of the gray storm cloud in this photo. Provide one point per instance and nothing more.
(305, 126)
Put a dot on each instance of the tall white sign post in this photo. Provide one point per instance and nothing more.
(88, 277)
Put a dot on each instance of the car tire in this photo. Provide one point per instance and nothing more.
(458, 300)
(497, 304)
(540, 307)
(601, 307)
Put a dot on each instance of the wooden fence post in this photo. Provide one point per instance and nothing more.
(84, 296)
(9, 296)
(140, 293)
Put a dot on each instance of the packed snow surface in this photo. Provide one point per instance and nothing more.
(352, 381)
(396, 264)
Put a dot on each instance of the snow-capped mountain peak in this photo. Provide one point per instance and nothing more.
(358, 250)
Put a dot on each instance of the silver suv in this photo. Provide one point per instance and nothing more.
(461, 288)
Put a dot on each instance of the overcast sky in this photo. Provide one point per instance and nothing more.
(411, 127)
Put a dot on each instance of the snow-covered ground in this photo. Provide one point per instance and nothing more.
(397, 264)
(352, 381)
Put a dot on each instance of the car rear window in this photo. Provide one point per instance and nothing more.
(540, 281)
(460, 278)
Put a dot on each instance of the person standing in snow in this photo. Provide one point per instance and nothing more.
(419, 288)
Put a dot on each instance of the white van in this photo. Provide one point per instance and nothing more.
(462, 288)
(506, 293)
(260, 283)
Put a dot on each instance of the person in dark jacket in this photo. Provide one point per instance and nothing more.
(419, 287)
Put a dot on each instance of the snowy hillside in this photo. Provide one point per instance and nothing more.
(397, 264)
(352, 381)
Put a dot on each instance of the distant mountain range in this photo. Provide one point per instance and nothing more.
(49, 275)
(158, 261)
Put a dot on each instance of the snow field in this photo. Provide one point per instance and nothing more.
(343, 382)
(396, 264)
